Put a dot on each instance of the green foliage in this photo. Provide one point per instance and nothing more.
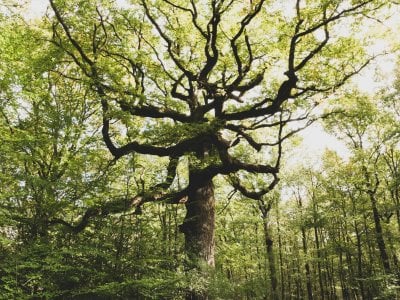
(112, 260)
(54, 165)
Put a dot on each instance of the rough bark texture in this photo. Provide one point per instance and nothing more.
(199, 224)
(198, 228)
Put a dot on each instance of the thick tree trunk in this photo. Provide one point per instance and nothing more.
(199, 224)
(198, 228)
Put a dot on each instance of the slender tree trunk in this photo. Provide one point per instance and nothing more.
(280, 246)
(299, 279)
(332, 294)
(342, 276)
(176, 232)
(394, 166)
(198, 228)
(396, 199)
(271, 260)
(395, 196)
(370, 247)
(162, 215)
(393, 255)
(377, 220)
(359, 261)
(318, 250)
(305, 250)
(307, 265)
(379, 235)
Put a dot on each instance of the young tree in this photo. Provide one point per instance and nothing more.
(368, 127)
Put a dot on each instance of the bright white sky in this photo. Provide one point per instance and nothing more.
(376, 76)
(36, 8)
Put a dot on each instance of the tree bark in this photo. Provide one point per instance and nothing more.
(307, 265)
(372, 189)
(379, 235)
(359, 261)
(305, 251)
(198, 228)
(281, 265)
(271, 260)
(318, 251)
(199, 224)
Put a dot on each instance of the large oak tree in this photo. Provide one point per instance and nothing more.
(214, 86)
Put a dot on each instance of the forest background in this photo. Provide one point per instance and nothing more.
(153, 150)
